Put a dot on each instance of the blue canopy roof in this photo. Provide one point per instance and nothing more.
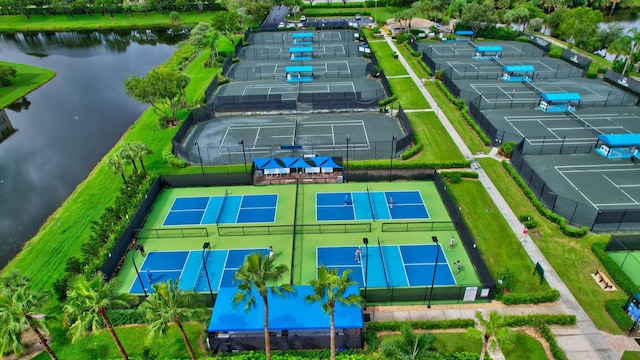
(290, 313)
(302, 35)
(294, 162)
(304, 49)
(266, 163)
(325, 161)
(518, 68)
(305, 68)
(465, 32)
(489, 48)
(620, 140)
(561, 96)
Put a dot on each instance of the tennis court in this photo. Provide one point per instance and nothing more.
(286, 51)
(234, 209)
(258, 70)
(468, 49)
(389, 265)
(483, 67)
(188, 268)
(290, 37)
(370, 205)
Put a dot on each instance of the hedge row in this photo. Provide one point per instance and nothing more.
(615, 309)
(617, 275)
(372, 328)
(556, 350)
(562, 222)
(531, 298)
(293, 355)
(384, 164)
(536, 320)
(465, 113)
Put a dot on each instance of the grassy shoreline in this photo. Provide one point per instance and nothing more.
(28, 79)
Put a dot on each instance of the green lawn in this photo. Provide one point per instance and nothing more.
(413, 61)
(498, 245)
(28, 78)
(437, 144)
(135, 340)
(522, 346)
(408, 93)
(571, 258)
(98, 22)
(631, 355)
(384, 55)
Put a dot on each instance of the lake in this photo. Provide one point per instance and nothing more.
(71, 122)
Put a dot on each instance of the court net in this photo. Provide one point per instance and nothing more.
(203, 268)
(171, 233)
(289, 229)
(373, 215)
(384, 265)
(224, 201)
(528, 84)
(496, 60)
(418, 226)
(582, 121)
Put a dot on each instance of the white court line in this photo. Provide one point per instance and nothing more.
(597, 166)
(599, 171)
(255, 141)
(622, 191)
(404, 267)
(366, 136)
(575, 187)
(224, 137)
(333, 135)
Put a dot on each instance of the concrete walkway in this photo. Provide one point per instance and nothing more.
(582, 343)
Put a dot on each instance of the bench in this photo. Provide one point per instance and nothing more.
(603, 281)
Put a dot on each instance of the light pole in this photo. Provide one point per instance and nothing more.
(133, 260)
(244, 157)
(633, 49)
(346, 167)
(393, 142)
(205, 246)
(433, 279)
(200, 157)
(365, 241)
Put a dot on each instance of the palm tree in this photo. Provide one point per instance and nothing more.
(139, 151)
(88, 300)
(170, 304)
(21, 307)
(257, 272)
(329, 289)
(410, 346)
(116, 164)
(126, 153)
(210, 41)
(489, 328)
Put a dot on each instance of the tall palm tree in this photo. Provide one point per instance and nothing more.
(210, 41)
(170, 304)
(259, 272)
(116, 164)
(488, 330)
(139, 151)
(410, 346)
(329, 289)
(88, 300)
(21, 308)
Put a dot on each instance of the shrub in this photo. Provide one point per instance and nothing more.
(460, 104)
(531, 298)
(171, 159)
(507, 148)
(537, 319)
(615, 308)
(556, 350)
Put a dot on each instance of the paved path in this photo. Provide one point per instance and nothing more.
(582, 343)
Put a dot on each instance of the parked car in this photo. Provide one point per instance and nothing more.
(303, 18)
(358, 17)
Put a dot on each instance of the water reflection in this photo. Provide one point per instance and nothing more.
(67, 125)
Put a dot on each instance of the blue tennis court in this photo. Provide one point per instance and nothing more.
(188, 268)
(225, 209)
(390, 265)
(374, 205)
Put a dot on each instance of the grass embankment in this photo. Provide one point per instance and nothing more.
(13, 23)
(28, 78)
(571, 258)
(380, 13)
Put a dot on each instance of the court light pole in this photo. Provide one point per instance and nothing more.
(244, 157)
(393, 142)
(205, 246)
(365, 241)
(433, 279)
(346, 167)
(200, 157)
(135, 266)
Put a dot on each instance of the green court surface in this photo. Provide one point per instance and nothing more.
(300, 253)
(629, 262)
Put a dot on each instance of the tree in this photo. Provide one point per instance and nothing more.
(88, 300)
(21, 307)
(116, 164)
(410, 346)
(139, 151)
(126, 153)
(488, 330)
(6, 75)
(175, 17)
(608, 35)
(210, 41)
(169, 304)
(329, 289)
(227, 22)
(198, 35)
(257, 272)
(162, 88)
(478, 16)
(580, 27)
